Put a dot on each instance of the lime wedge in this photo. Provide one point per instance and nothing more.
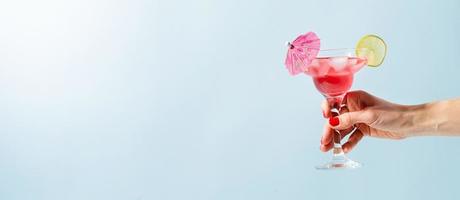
(373, 48)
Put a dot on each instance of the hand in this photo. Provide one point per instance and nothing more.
(372, 116)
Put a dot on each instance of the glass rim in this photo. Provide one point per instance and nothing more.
(342, 49)
(349, 52)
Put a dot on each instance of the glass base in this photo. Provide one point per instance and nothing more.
(340, 161)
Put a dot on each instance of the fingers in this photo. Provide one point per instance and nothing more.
(344, 133)
(352, 141)
(326, 139)
(346, 120)
(359, 98)
(326, 110)
(326, 147)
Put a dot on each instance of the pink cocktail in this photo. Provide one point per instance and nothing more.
(332, 72)
(333, 76)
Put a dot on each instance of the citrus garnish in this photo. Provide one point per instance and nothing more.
(373, 48)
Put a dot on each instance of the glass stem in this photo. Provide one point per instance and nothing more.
(335, 104)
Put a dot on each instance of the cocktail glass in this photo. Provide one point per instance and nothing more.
(332, 71)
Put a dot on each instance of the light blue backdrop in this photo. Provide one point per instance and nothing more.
(161, 100)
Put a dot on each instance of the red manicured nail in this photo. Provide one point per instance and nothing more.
(324, 114)
(334, 121)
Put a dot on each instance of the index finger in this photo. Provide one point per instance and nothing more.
(326, 109)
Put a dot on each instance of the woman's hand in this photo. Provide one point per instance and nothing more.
(372, 116)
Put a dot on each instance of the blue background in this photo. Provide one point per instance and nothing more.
(163, 100)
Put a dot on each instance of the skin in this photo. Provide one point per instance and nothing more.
(375, 117)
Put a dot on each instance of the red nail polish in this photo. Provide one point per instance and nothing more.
(324, 114)
(334, 121)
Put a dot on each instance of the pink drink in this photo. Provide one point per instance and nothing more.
(333, 76)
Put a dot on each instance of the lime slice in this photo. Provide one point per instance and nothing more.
(373, 48)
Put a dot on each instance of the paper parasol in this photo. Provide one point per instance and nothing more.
(301, 52)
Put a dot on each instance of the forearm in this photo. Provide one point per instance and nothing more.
(439, 118)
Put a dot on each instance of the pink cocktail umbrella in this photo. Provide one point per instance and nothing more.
(301, 52)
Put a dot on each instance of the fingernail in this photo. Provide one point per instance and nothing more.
(334, 121)
(324, 114)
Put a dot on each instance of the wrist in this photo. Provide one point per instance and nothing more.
(425, 119)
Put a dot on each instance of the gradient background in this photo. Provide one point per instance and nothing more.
(163, 100)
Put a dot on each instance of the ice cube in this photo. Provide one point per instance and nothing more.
(352, 64)
(338, 63)
(357, 64)
(352, 61)
(312, 68)
(323, 70)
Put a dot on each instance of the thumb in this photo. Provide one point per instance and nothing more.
(347, 120)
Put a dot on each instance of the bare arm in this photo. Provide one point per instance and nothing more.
(376, 117)
(439, 118)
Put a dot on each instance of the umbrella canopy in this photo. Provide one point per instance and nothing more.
(301, 52)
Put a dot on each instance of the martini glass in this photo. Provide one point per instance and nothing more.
(332, 71)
